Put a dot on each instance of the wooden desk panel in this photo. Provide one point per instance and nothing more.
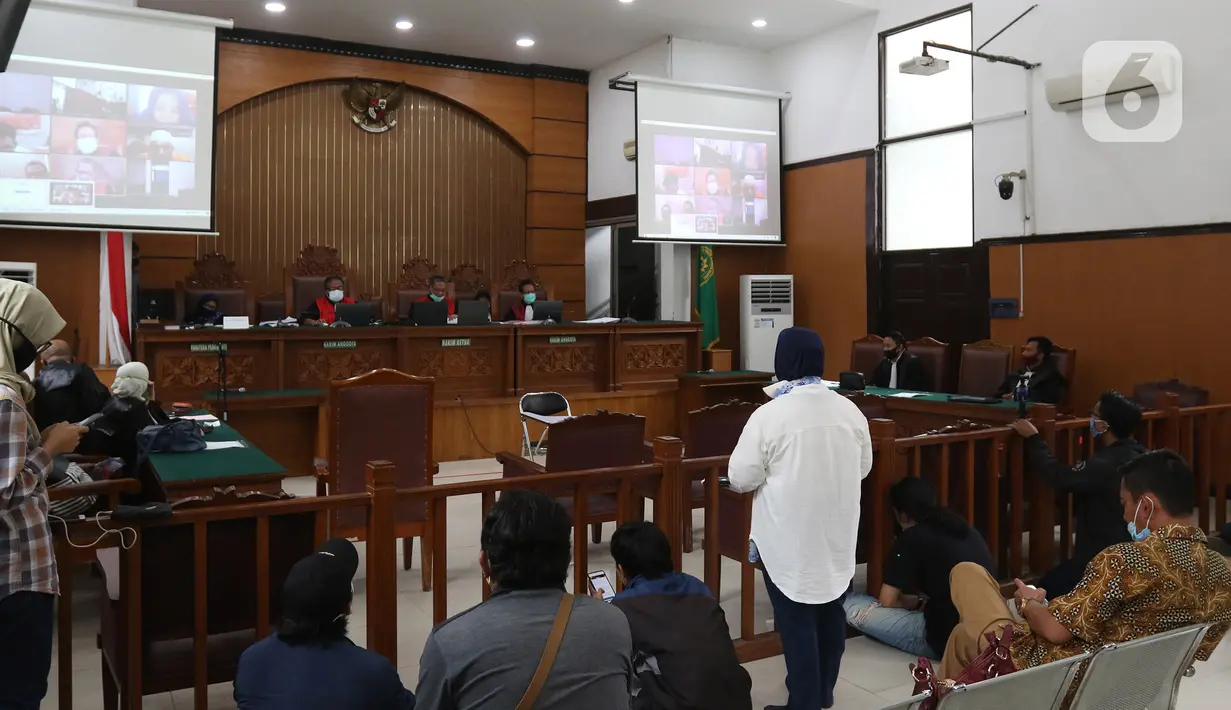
(654, 354)
(312, 358)
(466, 361)
(565, 358)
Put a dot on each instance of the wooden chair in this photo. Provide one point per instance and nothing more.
(510, 292)
(213, 274)
(413, 283)
(600, 440)
(305, 279)
(1065, 360)
(984, 365)
(160, 615)
(382, 415)
(467, 280)
(712, 431)
(934, 356)
(866, 353)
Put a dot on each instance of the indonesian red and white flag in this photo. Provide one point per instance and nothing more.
(115, 297)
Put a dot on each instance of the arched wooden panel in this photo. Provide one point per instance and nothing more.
(292, 168)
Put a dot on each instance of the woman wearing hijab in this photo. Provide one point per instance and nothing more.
(207, 311)
(130, 410)
(28, 581)
(804, 455)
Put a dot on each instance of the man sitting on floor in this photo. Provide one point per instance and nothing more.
(1166, 579)
(682, 646)
(310, 664)
(488, 656)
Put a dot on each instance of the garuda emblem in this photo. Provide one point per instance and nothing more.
(374, 104)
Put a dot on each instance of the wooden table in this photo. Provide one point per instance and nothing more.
(199, 472)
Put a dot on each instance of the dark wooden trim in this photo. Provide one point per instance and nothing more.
(925, 20)
(865, 153)
(393, 54)
(872, 244)
(1134, 233)
(611, 209)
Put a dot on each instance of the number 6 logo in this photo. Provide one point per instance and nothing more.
(1134, 92)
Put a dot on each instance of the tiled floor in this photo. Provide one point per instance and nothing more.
(872, 675)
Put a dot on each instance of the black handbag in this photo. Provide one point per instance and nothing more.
(851, 382)
(179, 437)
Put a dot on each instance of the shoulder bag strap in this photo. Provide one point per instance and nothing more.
(549, 654)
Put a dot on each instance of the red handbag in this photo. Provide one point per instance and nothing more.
(993, 662)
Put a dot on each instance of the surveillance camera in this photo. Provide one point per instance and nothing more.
(1005, 184)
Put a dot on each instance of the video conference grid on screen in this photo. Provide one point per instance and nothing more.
(709, 186)
(70, 145)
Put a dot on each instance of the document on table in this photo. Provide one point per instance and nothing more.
(216, 445)
(604, 320)
(200, 418)
(907, 395)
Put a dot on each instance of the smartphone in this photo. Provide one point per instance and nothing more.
(600, 583)
(88, 421)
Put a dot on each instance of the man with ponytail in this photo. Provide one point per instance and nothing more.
(914, 610)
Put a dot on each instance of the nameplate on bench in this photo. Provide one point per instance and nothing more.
(562, 339)
(207, 347)
(339, 345)
(455, 342)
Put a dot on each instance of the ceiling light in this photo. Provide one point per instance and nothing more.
(275, 7)
(403, 24)
(759, 23)
(626, 1)
(525, 42)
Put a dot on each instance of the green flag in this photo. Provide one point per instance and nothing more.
(705, 303)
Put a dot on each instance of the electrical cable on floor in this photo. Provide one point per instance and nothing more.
(473, 433)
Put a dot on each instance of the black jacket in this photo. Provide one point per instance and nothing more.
(910, 373)
(67, 392)
(1047, 385)
(676, 620)
(1095, 484)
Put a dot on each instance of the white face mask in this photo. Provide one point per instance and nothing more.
(87, 146)
(335, 295)
(712, 187)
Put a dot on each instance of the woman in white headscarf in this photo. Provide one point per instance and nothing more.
(28, 584)
(130, 410)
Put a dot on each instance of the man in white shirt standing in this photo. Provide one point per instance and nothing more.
(805, 454)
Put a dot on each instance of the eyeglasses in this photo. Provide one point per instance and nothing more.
(38, 349)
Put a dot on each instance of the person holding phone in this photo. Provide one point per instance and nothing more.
(683, 653)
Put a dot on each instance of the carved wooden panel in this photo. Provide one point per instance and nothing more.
(655, 356)
(574, 358)
(316, 367)
(455, 362)
(196, 372)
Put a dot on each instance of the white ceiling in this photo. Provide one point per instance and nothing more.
(580, 34)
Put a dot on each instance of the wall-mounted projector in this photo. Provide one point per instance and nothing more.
(630, 150)
(923, 66)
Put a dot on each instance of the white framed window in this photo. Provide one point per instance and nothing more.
(927, 138)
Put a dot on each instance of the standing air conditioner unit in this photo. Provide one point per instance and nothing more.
(766, 307)
(26, 272)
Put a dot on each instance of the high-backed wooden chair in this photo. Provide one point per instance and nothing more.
(600, 440)
(467, 280)
(866, 353)
(160, 615)
(413, 283)
(213, 274)
(305, 279)
(382, 415)
(1066, 362)
(983, 367)
(712, 431)
(934, 356)
(510, 292)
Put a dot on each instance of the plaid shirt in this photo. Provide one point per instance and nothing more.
(27, 557)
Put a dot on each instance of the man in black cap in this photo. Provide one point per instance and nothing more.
(310, 664)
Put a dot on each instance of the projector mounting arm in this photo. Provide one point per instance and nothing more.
(982, 55)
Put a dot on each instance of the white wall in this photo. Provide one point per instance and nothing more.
(1079, 184)
(612, 119)
(598, 272)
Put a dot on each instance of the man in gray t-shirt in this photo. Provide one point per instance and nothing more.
(486, 657)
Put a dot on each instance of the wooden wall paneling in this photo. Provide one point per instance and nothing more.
(574, 310)
(293, 169)
(68, 264)
(562, 138)
(552, 174)
(246, 71)
(556, 246)
(1137, 310)
(568, 283)
(561, 100)
(729, 264)
(166, 258)
(555, 210)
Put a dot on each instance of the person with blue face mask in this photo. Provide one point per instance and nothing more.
(1165, 578)
(1094, 483)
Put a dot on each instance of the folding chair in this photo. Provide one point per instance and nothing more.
(544, 408)
(1039, 688)
(1144, 673)
(911, 703)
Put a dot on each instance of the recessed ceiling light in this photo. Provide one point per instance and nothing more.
(403, 24)
(626, 1)
(275, 7)
(525, 42)
(759, 23)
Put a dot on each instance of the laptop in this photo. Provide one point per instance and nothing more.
(544, 310)
(429, 313)
(474, 312)
(358, 314)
